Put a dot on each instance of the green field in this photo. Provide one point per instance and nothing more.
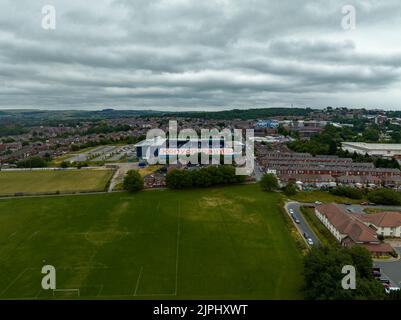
(226, 243)
(323, 196)
(53, 180)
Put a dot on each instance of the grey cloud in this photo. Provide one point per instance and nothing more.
(198, 54)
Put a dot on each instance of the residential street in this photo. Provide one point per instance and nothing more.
(302, 226)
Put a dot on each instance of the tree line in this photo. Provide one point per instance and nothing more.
(202, 178)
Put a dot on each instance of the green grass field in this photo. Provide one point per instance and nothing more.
(53, 180)
(225, 243)
(323, 196)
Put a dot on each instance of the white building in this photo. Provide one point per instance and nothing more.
(386, 150)
(387, 224)
(350, 230)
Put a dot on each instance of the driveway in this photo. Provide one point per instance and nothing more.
(303, 225)
(122, 169)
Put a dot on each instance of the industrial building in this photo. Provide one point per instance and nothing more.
(385, 150)
(163, 148)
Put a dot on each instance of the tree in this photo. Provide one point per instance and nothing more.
(283, 131)
(371, 135)
(178, 179)
(64, 164)
(347, 191)
(396, 136)
(133, 181)
(322, 270)
(269, 182)
(202, 178)
(385, 197)
(34, 162)
(290, 189)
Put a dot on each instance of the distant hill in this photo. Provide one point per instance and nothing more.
(33, 117)
(245, 114)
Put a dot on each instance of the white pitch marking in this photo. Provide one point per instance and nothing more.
(137, 281)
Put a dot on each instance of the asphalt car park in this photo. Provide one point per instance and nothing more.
(391, 270)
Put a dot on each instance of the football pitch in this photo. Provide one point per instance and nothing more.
(42, 181)
(219, 243)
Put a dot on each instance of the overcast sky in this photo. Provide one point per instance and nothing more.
(199, 55)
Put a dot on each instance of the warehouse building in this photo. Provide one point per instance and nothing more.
(385, 150)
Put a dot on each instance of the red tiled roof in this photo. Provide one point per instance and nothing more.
(347, 224)
(383, 219)
(378, 248)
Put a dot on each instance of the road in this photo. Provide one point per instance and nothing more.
(303, 225)
(391, 270)
(120, 173)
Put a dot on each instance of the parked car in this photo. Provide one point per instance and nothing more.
(318, 202)
(306, 236)
(388, 290)
(310, 241)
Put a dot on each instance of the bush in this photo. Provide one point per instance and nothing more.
(64, 164)
(34, 162)
(385, 197)
(178, 179)
(349, 192)
(269, 182)
(290, 189)
(202, 178)
(133, 181)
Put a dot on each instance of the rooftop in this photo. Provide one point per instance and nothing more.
(374, 146)
(383, 219)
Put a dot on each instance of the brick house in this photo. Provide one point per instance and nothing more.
(349, 230)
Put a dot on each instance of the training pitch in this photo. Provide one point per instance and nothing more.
(43, 181)
(220, 243)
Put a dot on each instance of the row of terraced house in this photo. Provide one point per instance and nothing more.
(326, 171)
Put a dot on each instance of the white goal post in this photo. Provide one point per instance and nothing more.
(66, 291)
